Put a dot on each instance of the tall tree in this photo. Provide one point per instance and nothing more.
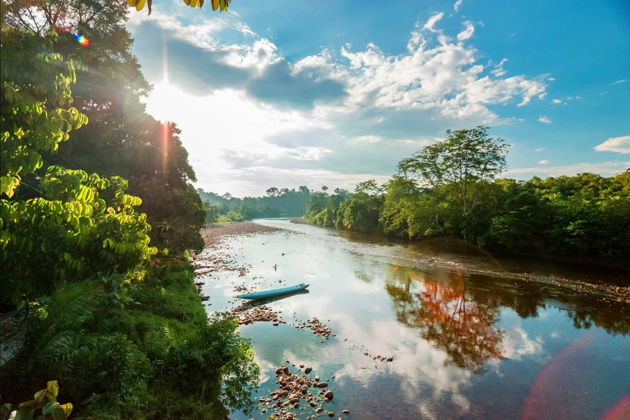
(121, 139)
(461, 160)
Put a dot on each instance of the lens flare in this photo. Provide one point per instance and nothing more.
(82, 40)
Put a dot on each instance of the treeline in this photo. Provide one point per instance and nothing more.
(97, 214)
(450, 189)
(278, 203)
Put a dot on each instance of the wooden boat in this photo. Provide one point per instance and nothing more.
(273, 292)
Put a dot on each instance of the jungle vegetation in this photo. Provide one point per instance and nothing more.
(451, 188)
(277, 203)
(97, 213)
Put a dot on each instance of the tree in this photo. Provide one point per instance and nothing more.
(70, 16)
(360, 211)
(273, 192)
(463, 159)
(122, 139)
(73, 248)
(65, 225)
(409, 211)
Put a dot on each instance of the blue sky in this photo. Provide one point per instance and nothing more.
(286, 93)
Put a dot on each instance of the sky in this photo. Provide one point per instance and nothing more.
(286, 93)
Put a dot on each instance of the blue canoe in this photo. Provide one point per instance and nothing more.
(273, 292)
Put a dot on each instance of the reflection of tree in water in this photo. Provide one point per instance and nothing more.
(526, 298)
(439, 308)
(458, 316)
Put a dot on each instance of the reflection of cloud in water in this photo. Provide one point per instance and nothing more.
(419, 366)
(265, 369)
(516, 344)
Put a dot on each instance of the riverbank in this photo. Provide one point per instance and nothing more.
(616, 287)
(212, 233)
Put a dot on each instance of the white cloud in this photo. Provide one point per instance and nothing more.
(201, 34)
(467, 33)
(539, 149)
(390, 105)
(618, 82)
(433, 20)
(615, 144)
(498, 70)
(457, 4)
(563, 101)
(367, 139)
(308, 153)
(609, 168)
(543, 162)
(259, 55)
(445, 77)
(544, 119)
(255, 179)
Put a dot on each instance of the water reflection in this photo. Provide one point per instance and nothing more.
(470, 338)
(459, 315)
(439, 308)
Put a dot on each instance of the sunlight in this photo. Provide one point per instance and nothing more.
(164, 100)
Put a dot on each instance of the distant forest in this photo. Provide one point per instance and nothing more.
(277, 203)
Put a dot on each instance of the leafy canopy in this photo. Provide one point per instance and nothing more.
(463, 156)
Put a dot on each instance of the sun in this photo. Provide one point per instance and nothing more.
(164, 101)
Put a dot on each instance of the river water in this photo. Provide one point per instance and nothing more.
(471, 336)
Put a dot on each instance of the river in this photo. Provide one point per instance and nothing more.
(471, 336)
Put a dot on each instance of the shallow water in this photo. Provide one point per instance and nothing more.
(472, 336)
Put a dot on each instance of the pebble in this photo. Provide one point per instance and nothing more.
(329, 395)
(345, 411)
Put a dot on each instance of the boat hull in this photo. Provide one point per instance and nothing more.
(273, 292)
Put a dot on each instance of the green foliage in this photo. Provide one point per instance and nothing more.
(35, 115)
(122, 139)
(278, 203)
(62, 229)
(461, 161)
(70, 233)
(585, 217)
(409, 211)
(361, 210)
(357, 211)
(88, 302)
(155, 356)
